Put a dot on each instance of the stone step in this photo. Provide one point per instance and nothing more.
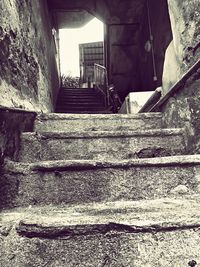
(81, 108)
(77, 110)
(78, 105)
(100, 144)
(77, 89)
(70, 112)
(79, 93)
(83, 181)
(79, 101)
(156, 233)
(78, 96)
(111, 122)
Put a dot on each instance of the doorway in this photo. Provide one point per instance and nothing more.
(80, 48)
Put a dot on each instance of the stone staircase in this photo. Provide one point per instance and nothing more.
(80, 100)
(101, 191)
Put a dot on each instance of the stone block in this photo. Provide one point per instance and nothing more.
(111, 122)
(98, 144)
(85, 181)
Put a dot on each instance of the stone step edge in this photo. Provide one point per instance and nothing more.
(56, 116)
(103, 134)
(76, 165)
(159, 215)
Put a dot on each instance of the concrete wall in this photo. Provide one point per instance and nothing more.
(162, 36)
(129, 61)
(123, 19)
(122, 57)
(185, 49)
(28, 70)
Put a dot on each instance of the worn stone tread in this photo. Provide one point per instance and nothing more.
(178, 160)
(96, 122)
(97, 134)
(118, 144)
(85, 181)
(168, 214)
(56, 116)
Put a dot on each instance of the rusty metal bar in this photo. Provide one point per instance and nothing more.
(176, 86)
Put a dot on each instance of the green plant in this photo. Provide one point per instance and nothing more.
(69, 81)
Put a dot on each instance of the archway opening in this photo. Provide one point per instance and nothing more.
(80, 48)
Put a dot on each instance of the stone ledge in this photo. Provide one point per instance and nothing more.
(56, 116)
(160, 215)
(17, 110)
(65, 164)
(90, 164)
(103, 134)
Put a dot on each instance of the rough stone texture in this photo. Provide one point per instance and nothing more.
(182, 110)
(185, 21)
(12, 123)
(179, 190)
(146, 233)
(87, 181)
(161, 249)
(98, 144)
(28, 71)
(111, 122)
(112, 234)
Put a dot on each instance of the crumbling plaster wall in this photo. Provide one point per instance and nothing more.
(28, 69)
(184, 50)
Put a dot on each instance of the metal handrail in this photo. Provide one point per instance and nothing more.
(101, 81)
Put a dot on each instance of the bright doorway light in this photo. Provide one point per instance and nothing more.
(69, 44)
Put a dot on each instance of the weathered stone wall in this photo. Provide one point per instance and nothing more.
(12, 123)
(28, 70)
(182, 110)
(185, 49)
